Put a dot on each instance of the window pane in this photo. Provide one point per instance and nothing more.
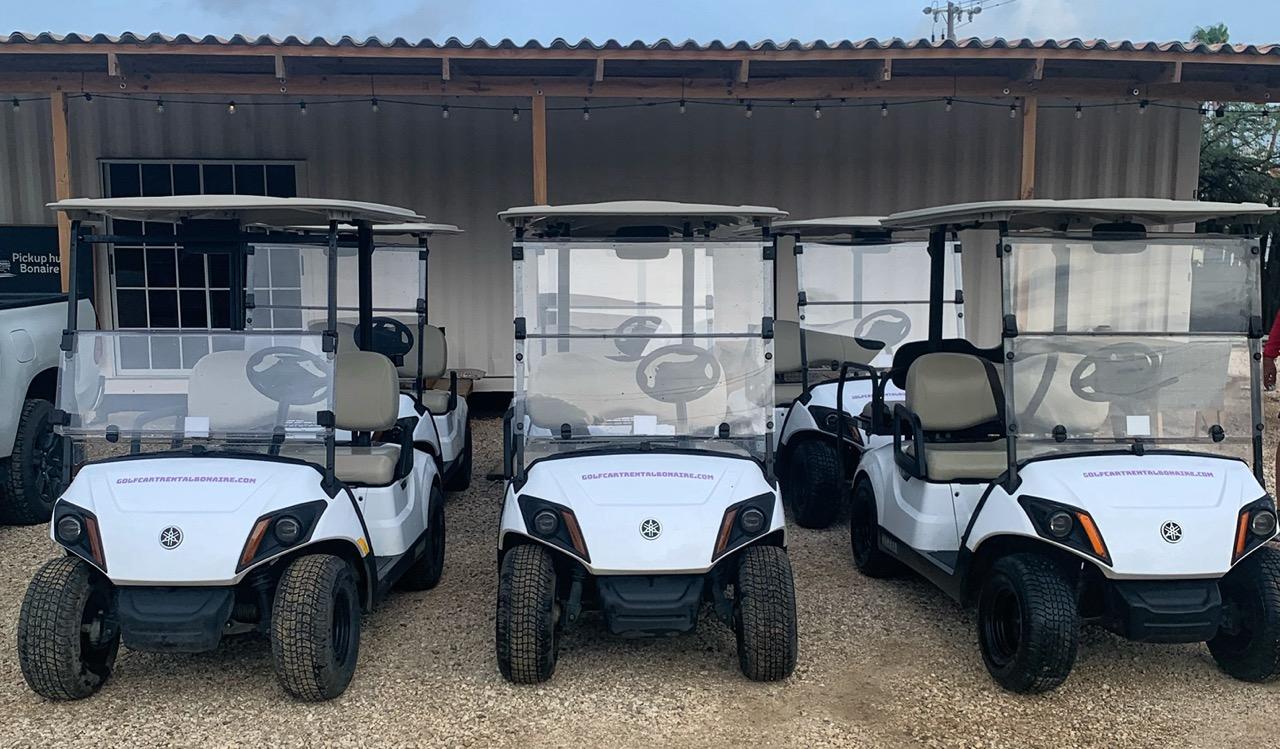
(134, 352)
(126, 228)
(191, 270)
(123, 181)
(165, 352)
(131, 308)
(194, 348)
(155, 180)
(161, 231)
(217, 179)
(194, 311)
(164, 309)
(286, 269)
(129, 268)
(281, 181)
(219, 309)
(219, 271)
(162, 268)
(250, 180)
(186, 179)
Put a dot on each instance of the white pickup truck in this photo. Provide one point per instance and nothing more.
(31, 455)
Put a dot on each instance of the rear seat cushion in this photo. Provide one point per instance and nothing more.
(373, 466)
(436, 401)
(961, 461)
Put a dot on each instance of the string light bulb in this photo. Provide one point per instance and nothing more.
(231, 107)
(302, 108)
(373, 104)
(515, 114)
(1221, 111)
(1013, 111)
(949, 104)
(817, 111)
(444, 112)
(16, 104)
(749, 110)
(682, 106)
(1079, 111)
(1142, 106)
(88, 98)
(884, 109)
(159, 106)
(586, 113)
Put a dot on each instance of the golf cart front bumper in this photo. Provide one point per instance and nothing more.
(174, 620)
(650, 605)
(1164, 610)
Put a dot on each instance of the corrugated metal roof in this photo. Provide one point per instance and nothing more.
(558, 44)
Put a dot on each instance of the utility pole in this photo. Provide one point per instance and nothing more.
(959, 12)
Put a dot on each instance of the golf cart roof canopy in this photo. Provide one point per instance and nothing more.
(411, 229)
(823, 227)
(610, 216)
(1077, 214)
(247, 209)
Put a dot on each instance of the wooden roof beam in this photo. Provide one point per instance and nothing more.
(599, 69)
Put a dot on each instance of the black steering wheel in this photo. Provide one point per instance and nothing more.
(680, 381)
(1118, 371)
(294, 377)
(888, 325)
(390, 337)
(634, 328)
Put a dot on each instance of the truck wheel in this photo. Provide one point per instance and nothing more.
(315, 627)
(1028, 625)
(864, 534)
(425, 573)
(527, 640)
(68, 634)
(1250, 649)
(34, 478)
(765, 614)
(460, 481)
(812, 487)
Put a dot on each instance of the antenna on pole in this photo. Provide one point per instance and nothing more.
(959, 13)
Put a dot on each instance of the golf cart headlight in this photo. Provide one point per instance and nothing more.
(287, 530)
(69, 529)
(545, 523)
(1262, 523)
(751, 520)
(1060, 524)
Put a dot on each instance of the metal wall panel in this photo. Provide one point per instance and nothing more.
(465, 169)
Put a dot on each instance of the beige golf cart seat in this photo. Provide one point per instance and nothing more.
(953, 394)
(435, 359)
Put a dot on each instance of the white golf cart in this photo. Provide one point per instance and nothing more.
(229, 507)
(1094, 467)
(863, 292)
(639, 445)
(400, 331)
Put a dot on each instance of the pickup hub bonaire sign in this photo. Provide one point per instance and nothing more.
(29, 260)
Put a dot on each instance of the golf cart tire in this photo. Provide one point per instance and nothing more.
(527, 640)
(864, 533)
(460, 481)
(1048, 634)
(56, 660)
(316, 599)
(425, 573)
(20, 505)
(813, 488)
(1254, 587)
(765, 614)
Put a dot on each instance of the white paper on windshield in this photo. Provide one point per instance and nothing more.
(196, 426)
(1137, 426)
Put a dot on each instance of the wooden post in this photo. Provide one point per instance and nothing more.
(62, 179)
(539, 117)
(1030, 111)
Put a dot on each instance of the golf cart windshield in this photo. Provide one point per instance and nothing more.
(1131, 339)
(877, 292)
(252, 388)
(656, 341)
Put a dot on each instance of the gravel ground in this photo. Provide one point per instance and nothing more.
(881, 664)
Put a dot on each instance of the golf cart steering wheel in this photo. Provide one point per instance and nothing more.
(1121, 370)
(288, 380)
(888, 325)
(390, 337)
(632, 348)
(678, 382)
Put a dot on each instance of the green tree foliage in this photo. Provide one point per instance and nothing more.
(1215, 34)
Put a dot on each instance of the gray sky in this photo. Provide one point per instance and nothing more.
(1255, 21)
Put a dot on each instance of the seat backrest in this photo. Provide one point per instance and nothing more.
(366, 393)
(219, 389)
(435, 357)
(952, 392)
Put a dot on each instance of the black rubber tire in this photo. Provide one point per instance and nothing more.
(812, 487)
(33, 476)
(1252, 653)
(460, 481)
(315, 627)
(60, 660)
(528, 640)
(425, 573)
(864, 535)
(1028, 623)
(764, 614)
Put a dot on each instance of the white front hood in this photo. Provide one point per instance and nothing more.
(613, 495)
(214, 502)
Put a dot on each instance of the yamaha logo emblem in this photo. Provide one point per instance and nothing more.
(650, 529)
(1171, 532)
(171, 537)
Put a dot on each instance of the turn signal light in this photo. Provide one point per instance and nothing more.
(1254, 527)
